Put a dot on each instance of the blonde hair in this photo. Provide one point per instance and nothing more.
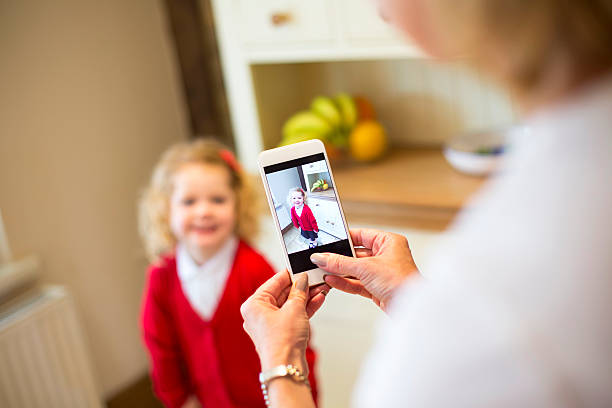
(297, 190)
(154, 205)
(519, 41)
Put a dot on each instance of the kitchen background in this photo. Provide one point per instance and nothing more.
(321, 200)
(93, 92)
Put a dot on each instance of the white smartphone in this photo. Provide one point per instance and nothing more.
(305, 205)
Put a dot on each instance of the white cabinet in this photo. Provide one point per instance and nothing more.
(289, 22)
(278, 54)
(285, 22)
(328, 217)
(316, 167)
(319, 210)
(361, 24)
(279, 33)
(311, 30)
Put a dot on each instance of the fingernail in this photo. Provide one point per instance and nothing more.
(319, 259)
(301, 282)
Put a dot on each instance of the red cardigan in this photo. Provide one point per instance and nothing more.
(213, 359)
(307, 220)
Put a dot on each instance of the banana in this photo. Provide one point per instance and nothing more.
(317, 184)
(348, 110)
(339, 138)
(298, 137)
(307, 122)
(327, 109)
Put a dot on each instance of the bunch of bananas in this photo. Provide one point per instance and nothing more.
(338, 123)
(320, 184)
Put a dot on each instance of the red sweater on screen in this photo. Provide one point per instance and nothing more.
(306, 221)
(214, 359)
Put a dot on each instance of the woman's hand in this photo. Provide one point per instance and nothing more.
(192, 402)
(276, 318)
(385, 261)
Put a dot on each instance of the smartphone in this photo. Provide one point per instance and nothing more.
(305, 205)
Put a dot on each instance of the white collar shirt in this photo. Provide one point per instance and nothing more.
(204, 285)
(298, 210)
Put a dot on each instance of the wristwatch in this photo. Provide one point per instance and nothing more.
(277, 372)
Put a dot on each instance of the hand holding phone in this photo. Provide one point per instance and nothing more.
(304, 203)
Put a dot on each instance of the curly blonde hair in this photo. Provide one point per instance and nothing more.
(154, 205)
(297, 190)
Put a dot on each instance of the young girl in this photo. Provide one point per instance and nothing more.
(195, 218)
(302, 215)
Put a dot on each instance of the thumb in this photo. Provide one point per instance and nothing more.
(337, 264)
(299, 290)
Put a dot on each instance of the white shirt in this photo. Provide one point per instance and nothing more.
(204, 285)
(298, 210)
(516, 309)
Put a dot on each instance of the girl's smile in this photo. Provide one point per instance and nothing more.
(204, 229)
(202, 209)
(297, 199)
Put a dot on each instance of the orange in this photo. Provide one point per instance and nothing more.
(368, 141)
(332, 151)
(365, 109)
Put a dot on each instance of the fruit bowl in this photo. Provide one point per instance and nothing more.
(480, 153)
(474, 164)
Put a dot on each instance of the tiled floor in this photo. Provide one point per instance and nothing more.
(296, 242)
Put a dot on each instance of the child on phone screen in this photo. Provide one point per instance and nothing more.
(195, 218)
(302, 215)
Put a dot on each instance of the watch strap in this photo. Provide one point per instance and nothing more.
(278, 372)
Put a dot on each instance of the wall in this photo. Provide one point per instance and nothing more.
(280, 183)
(89, 97)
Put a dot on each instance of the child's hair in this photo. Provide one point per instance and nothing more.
(154, 206)
(298, 190)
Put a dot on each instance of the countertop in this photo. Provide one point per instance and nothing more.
(413, 188)
(328, 194)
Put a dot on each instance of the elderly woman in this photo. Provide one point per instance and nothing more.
(516, 309)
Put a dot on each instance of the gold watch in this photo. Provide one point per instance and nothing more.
(278, 372)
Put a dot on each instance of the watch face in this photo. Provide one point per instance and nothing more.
(278, 371)
(281, 371)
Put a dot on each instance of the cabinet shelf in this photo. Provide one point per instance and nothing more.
(374, 53)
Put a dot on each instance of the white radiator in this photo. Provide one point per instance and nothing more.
(43, 360)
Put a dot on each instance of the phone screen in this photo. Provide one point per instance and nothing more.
(307, 209)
